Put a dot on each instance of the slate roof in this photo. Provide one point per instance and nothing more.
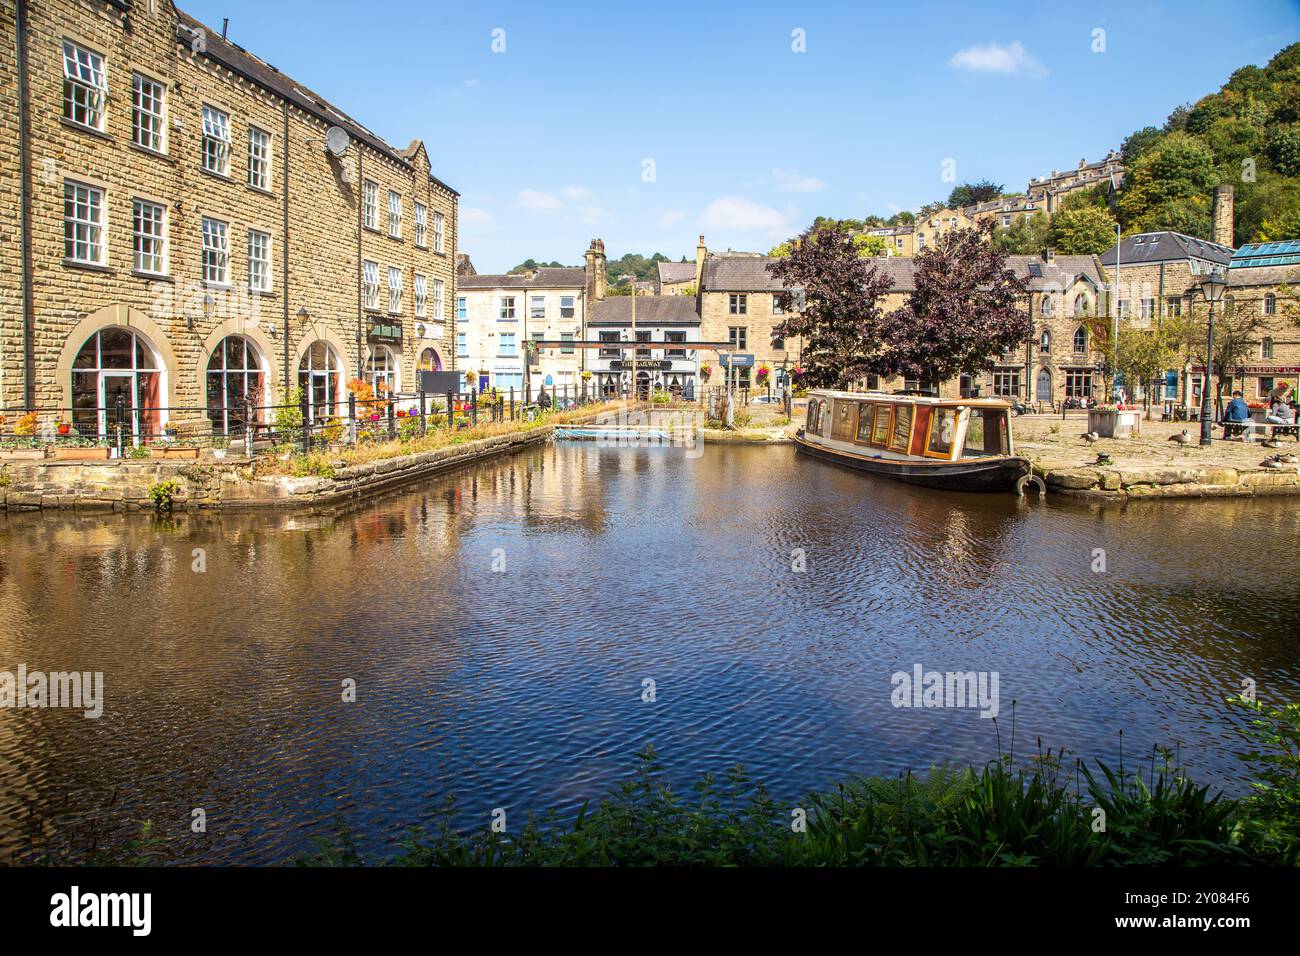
(1057, 275)
(239, 61)
(1154, 247)
(676, 271)
(566, 277)
(650, 310)
(739, 274)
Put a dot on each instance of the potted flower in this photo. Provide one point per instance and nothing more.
(762, 375)
(586, 375)
(706, 370)
(1115, 421)
(63, 428)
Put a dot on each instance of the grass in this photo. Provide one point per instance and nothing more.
(324, 465)
(1053, 812)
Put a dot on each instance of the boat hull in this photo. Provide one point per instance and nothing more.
(995, 474)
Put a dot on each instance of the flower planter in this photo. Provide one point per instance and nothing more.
(81, 454)
(22, 454)
(1115, 424)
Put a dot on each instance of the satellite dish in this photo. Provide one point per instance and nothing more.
(336, 140)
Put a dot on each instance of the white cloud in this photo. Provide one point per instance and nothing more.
(575, 193)
(793, 182)
(671, 217)
(474, 215)
(538, 201)
(744, 215)
(996, 58)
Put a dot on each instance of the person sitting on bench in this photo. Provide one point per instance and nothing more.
(1237, 410)
(1280, 412)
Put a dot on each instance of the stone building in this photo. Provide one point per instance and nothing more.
(927, 229)
(1004, 212)
(1050, 190)
(1263, 279)
(899, 240)
(188, 226)
(674, 278)
(666, 326)
(497, 316)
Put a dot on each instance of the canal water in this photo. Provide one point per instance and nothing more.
(501, 623)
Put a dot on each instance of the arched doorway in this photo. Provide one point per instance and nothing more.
(319, 376)
(117, 372)
(642, 385)
(381, 370)
(236, 374)
(430, 361)
(1043, 385)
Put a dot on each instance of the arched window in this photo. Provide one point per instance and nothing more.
(115, 371)
(1270, 304)
(1049, 305)
(381, 370)
(318, 376)
(235, 374)
(430, 361)
(1045, 341)
(1080, 340)
(1266, 348)
(1080, 304)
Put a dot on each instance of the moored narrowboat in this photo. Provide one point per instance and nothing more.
(955, 444)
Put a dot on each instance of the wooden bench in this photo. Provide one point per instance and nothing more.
(1273, 430)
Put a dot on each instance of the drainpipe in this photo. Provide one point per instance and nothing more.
(284, 251)
(361, 268)
(25, 205)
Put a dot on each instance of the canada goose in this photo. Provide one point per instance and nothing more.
(1183, 438)
(1090, 437)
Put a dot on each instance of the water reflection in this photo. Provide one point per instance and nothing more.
(521, 688)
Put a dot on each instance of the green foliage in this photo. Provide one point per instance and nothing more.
(289, 417)
(968, 194)
(162, 492)
(1089, 230)
(1028, 235)
(313, 466)
(532, 265)
(1274, 735)
(1169, 185)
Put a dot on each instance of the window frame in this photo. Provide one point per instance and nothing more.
(394, 214)
(93, 88)
(215, 141)
(395, 291)
(262, 161)
(439, 232)
(220, 255)
(93, 241)
(138, 111)
(369, 285)
(370, 205)
(265, 260)
(138, 237)
(420, 293)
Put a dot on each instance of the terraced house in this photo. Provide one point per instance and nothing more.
(187, 228)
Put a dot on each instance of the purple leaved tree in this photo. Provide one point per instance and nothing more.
(966, 310)
(840, 323)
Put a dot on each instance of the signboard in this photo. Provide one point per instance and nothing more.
(736, 359)
(384, 333)
(440, 383)
(648, 365)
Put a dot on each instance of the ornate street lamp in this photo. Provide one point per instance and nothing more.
(1212, 286)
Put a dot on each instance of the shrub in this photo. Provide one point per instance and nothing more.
(313, 466)
(288, 418)
(162, 492)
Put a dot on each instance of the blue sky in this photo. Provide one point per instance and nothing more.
(549, 141)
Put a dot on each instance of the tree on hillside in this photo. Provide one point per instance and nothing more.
(968, 194)
(966, 309)
(903, 218)
(1098, 196)
(841, 317)
(1268, 208)
(1135, 144)
(1169, 186)
(1086, 231)
(868, 246)
(1028, 235)
(532, 265)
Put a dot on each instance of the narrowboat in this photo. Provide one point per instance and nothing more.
(955, 444)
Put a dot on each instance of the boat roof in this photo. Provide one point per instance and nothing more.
(910, 399)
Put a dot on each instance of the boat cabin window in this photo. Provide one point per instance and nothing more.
(986, 433)
(843, 428)
(864, 422)
(880, 431)
(901, 437)
(943, 432)
(813, 408)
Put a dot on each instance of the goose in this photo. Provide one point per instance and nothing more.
(1183, 438)
(1090, 437)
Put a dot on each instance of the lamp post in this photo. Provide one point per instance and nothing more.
(1212, 286)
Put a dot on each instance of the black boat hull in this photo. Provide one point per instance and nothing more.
(996, 474)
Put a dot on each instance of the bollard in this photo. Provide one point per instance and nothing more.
(120, 410)
(250, 412)
(352, 419)
(451, 411)
(473, 406)
(512, 403)
(424, 424)
(392, 428)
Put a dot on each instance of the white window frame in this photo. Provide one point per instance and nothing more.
(259, 159)
(149, 237)
(85, 86)
(421, 225)
(501, 344)
(371, 205)
(462, 344)
(394, 214)
(216, 251)
(421, 287)
(259, 242)
(215, 157)
(148, 122)
(536, 307)
(439, 291)
(394, 290)
(370, 286)
(89, 231)
(507, 308)
(439, 230)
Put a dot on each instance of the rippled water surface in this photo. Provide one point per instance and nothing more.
(522, 689)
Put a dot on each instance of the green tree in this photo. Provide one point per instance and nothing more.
(1087, 231)
(968, 194)
(1026, 236)
(1135, 144)
(1170, 182)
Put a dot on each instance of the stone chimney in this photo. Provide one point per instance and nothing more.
(595, 271)
(1223, 204)
(701, 252)
(1049, 255)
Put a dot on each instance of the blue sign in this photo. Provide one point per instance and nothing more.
(736, 359)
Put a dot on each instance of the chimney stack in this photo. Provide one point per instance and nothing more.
(595, 272)
(1049, 255)
(701, 252)
(1223, 211)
